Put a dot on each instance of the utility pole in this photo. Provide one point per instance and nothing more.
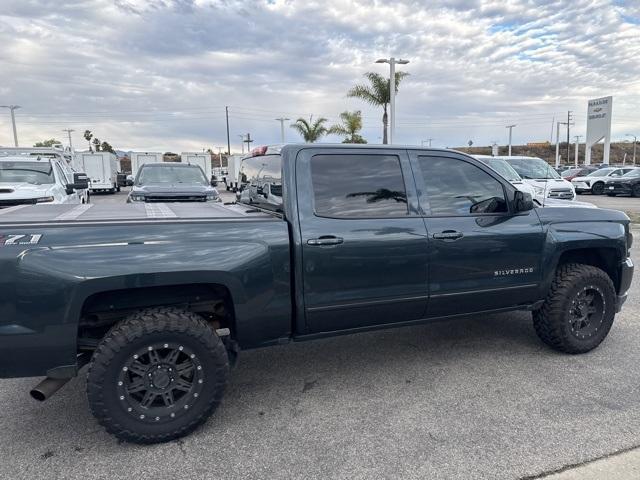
(392, 92)
(635, 140)
(242, 142)
(427, 140)
(558, 143)
(226, 110)
(577, 137)
(568, 126)
(282, 120)
(249, 142)
(69, 130)
(13, 108)
(510, 127)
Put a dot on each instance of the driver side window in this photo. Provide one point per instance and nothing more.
(454, 187)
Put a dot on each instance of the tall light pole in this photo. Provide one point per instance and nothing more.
(220, 155)
(635, 140)
(282, 120)
(577, 137)
(510, 127)
(13, 108)
(69, 130)
(392, 92)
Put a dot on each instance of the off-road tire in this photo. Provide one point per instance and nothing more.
(597, 188)
(156, 326)
(552, 321)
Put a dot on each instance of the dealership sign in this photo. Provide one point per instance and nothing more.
(598, 126)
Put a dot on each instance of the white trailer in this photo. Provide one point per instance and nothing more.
(101, 169)
(140, 158)
(203, 160)
(233, 172)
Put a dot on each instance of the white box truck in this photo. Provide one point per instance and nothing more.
(203, 160)
(101, 169)
(140, 158)
(233, 171)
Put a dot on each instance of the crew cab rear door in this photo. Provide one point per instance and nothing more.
(483, 255)
(364, 246)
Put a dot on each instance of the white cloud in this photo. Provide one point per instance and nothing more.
(157, 75)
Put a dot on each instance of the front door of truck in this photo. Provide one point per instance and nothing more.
(483, 256)
(364, 245)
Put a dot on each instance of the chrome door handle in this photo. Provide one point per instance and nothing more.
(448, 235)
(325, 240)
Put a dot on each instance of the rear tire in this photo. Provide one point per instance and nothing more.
(578, 311)
(157, 375)
(597, 188)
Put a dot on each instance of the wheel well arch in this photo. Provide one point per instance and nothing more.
(604, 258)
(101, 310)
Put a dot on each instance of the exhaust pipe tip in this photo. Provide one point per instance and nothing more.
(47, 387)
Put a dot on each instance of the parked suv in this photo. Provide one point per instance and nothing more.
(172, 182)
(595, 181)
(627, 184)
(30, 180)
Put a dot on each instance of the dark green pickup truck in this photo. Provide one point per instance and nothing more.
(159, 298)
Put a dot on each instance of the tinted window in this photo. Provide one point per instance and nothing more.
(358, 186)
(455, 187)
(37, 173)
(150, 174)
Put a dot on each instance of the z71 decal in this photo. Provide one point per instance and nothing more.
(27, 239)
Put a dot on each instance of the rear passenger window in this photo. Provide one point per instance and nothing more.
(455, 187)
(358, 186)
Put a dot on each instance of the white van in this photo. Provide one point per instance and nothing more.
(203, 160)
(102, 170)
(230, 179)
(34, 179)
(140, 158)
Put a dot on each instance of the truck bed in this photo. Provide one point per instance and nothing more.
(135, 213)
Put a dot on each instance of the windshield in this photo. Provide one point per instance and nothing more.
(169, 174)
(532, 168)
(633, 173)
(36, 173)
(503, 168)
(603, 172)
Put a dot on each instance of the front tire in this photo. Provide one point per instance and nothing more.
(578, 311)
(597, 188)
(157, 375)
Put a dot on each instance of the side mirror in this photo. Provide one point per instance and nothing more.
(129, 180)
(523, 201)
(80, 182)
(214, 181)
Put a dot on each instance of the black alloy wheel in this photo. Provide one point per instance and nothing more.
(586, 314)
(597, 188)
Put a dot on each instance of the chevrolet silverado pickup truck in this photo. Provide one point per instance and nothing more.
(158, 299)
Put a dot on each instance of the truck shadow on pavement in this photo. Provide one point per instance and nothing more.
(278, 380)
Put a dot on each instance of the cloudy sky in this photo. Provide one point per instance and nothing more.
(157, 74)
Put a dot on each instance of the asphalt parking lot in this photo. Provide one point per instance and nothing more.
(478, 398)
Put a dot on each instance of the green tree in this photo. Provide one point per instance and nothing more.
(377, 93)
(349, 128)
(48, 143)
(88, 136)
(311, 131)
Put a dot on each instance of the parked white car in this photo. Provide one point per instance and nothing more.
(31, 180)
(594, 182)
(545, 181)
(503, 168)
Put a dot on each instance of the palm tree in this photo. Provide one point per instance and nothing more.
(349, 128)
(310, 131)
(377, 93)
(88, 136)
